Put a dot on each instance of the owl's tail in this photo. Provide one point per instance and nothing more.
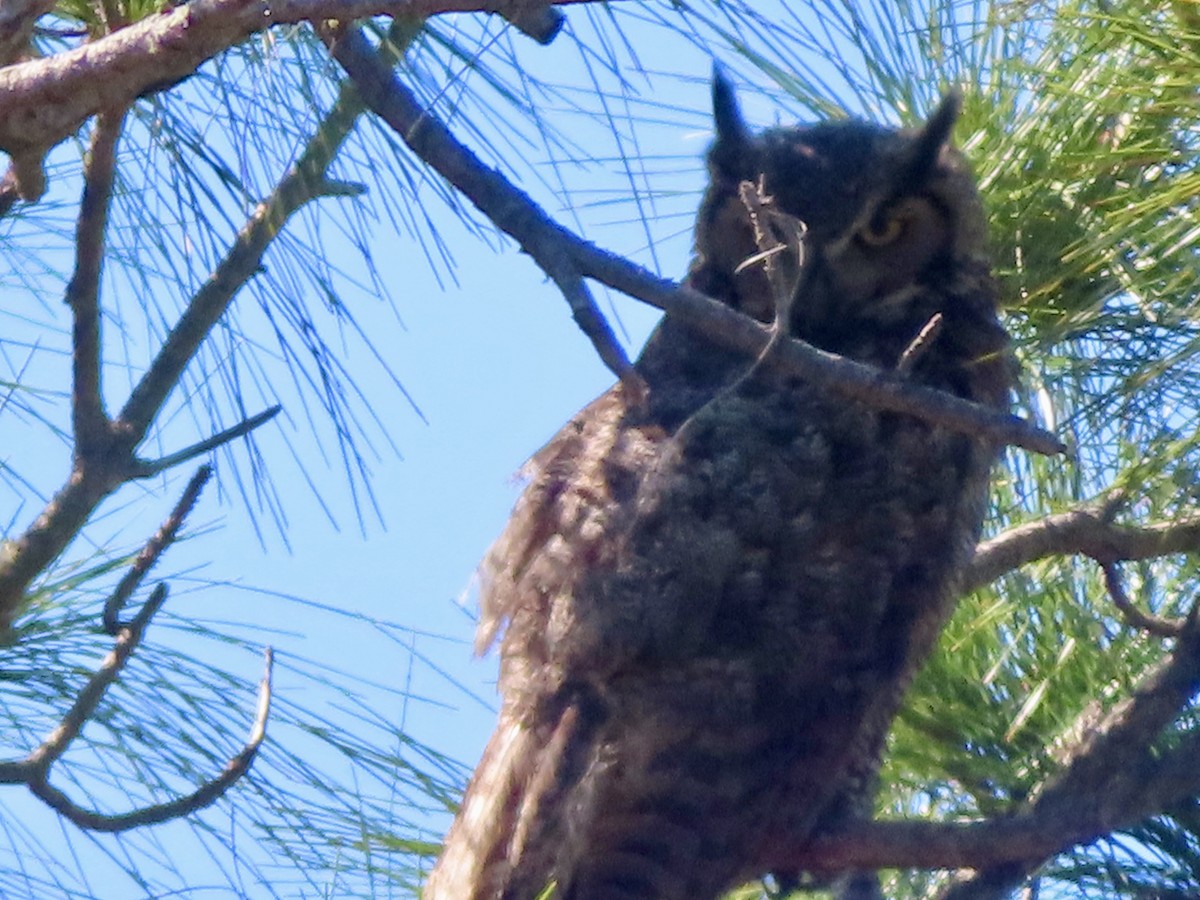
(507, 839)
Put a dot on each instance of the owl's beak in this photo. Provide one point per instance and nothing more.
(932, 138)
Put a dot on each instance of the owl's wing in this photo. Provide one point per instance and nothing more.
(564, 528)
(504, 840)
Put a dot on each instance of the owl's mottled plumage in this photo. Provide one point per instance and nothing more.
(711, 599)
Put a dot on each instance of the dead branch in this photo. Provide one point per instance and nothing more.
(34, 770)
(567, 259)
(162, 539)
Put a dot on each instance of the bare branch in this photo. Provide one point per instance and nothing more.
(511, 210)
(1158, 625)
(1087, 530)
(91, 424)
(45, 100)
(554, 247)
(147, 468)
(162, 539)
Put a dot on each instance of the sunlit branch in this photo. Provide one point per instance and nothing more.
(43, 101)
(567, 258)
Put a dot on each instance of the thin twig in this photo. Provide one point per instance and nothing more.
(920, 344)
(162, 539)
(554, 247)
(150, 467)
(91, 424)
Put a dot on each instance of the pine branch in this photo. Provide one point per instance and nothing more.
(568, 259)
(34, 770)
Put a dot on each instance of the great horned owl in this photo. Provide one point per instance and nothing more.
(712, 596)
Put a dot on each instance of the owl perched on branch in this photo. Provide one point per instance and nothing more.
(710, 598)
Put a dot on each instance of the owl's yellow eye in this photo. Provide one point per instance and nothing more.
(883, 232)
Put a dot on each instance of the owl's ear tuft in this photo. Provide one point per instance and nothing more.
(931, 139)
(733, 137)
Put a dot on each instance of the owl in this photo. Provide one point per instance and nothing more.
(712, 594)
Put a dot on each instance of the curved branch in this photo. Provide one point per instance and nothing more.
(205, 795)
(1088, 531)
(1161, 626)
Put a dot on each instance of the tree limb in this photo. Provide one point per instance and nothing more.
(43, 101)
(154, 548)
(567, 258)
(34, 771)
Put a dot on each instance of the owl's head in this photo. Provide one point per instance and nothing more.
(895, 228)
